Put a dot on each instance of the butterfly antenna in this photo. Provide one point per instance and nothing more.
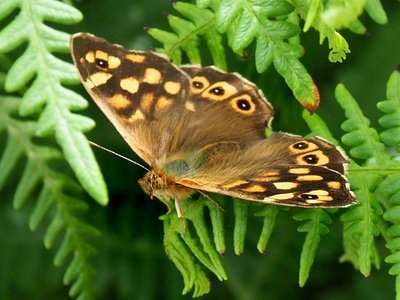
(119, 155)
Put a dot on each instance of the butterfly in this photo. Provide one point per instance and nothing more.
(202, 129)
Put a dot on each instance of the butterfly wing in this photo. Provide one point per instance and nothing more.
(282, 169)
(132, 88)
(157, 107)
(233, 108)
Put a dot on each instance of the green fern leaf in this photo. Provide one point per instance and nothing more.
(240, 209)
(391, 106)
(264, 21)
(312, 13)
(361, 221)
(46, 93)
(187, 38)
(340, 15)
(315, 223)
(195, 245)
(390, 185)
(269, 213)
(375, 11)
(40, 174)
(318, 127)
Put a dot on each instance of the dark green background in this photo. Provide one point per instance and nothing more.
(131, 263)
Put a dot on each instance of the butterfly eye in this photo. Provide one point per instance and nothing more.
(101, 63)
(198, 84)
(243, 104)
(311, 159)
(300, 145)
(219, 91)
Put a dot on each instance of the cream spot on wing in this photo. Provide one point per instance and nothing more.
(90, 57)
(146, 101)
(136, 58)
(299, 170)
(138, 115)
(113, 62)
(189, 106)
(99, 78)
(318, 193)
(270, 173)
(89, 84)
(267, 178)
(334, 184)
(235, 184)
(326, 198)
(119, 101)
(162, 103)
(101, 55)
(309, 178)
(130, 84)
(286, 196)
(152, 76)
(314, 201)
(285, 185)
(255, 189)
(172, 87)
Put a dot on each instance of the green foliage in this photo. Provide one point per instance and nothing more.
(39, 75)
(46, 93)
(53, 197)
(33, 83)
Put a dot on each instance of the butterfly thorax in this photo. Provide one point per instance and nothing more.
(163, 187)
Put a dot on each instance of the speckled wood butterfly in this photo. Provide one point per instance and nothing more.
(200, 128)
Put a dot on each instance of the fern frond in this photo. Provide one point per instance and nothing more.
(195, 245)
(318, 127)
(390, 185)
(375, 10)
(269, 213)
(312, 13)
(315, 223)
(267, 23)
(337, 15)
(200, 23)
(391, 106)
(361, 220)
(46, 94)
(53, 198)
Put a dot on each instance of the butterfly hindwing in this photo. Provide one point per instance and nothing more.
(282, 169)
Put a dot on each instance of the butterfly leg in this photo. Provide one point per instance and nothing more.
(168, 205)
(212, 200)
(179, 211)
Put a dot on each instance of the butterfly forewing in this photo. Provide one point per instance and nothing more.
(133, 88)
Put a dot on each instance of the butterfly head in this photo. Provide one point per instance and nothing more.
(163, 187)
